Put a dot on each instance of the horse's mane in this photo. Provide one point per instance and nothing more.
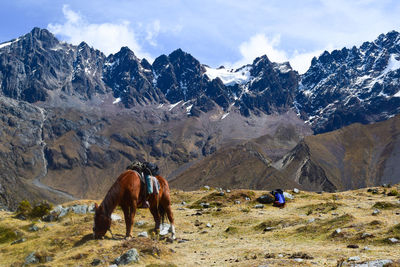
(111, 199)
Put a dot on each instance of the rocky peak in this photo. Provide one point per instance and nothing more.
(352, 85)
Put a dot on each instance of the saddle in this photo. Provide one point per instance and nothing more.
(142, 169)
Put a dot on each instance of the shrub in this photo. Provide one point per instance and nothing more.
(393, 192)
(24, 208)
(41, 209)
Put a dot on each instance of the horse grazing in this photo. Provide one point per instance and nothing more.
(125, 192)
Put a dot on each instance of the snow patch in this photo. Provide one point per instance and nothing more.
(8, 43)
(224, 116)
(229, 76)
(174, 105)
(393, 64)
(188, 109)
(117, 100)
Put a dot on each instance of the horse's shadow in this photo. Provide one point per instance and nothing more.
(83, 240)
(89, 237)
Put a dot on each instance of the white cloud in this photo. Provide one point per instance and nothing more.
(259, 45)
(152, 31)
(107, 37)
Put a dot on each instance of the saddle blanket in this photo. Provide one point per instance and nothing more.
(154, 182)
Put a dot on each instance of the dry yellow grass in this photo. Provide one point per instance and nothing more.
(238, 236)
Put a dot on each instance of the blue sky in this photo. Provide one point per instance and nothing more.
(219, 32)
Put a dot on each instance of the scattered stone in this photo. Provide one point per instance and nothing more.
(228, 191)
(115, 217)
(206, 187)
(130, 256)
(247, 198)
(259, 206)
(33, 228)
(366, 248)
(301, 255)
(49, 218)
(335, 214)
(393, 240)
(373, 191)
(79, 209)
(269, 256)
(182, 240)
(352, 246)
(143, 234)
(298, 260)
(374, 263)
(268, 229)
(198, 213)
(209, 225)
(18, 241)
(288, 195)
(296, 191)
(140, 223)
(219, 209)
(183, 203)
(31, 258)
(205, 205)
(266, 199)
(376, 212)
(21, 217)
(95, 262)
(354, 258)
(366, 235)
(237, 202)
(221, 193)
(311, 220)
(197, 223)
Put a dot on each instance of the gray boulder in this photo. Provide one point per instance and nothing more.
(128, 257)
(79, 209)
(31, 259)
(374, 263)
(266, 199)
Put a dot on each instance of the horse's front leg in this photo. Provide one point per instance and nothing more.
(129, 213)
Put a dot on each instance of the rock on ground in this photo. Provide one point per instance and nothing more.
(128, 257)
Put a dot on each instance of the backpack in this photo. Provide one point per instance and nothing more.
(147, 168)
(279, 197)
(152, 167)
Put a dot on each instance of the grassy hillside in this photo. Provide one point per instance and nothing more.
(231, 232)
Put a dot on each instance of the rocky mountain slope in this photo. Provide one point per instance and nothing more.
(88, 115)
(360, 84)
(355, 156)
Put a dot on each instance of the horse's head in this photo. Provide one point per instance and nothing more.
(102, 222)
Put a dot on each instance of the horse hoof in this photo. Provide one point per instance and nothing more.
(127, 238)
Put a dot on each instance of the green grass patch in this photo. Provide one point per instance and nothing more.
(265, 224)
(232, 230)
(7, 235)
(323, 229)
(321, 207)
(386, 205)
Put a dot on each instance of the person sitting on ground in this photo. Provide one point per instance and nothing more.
(279, 198)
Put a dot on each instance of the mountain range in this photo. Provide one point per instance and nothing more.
(73, 118)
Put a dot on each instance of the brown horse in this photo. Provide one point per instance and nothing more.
(125, 192)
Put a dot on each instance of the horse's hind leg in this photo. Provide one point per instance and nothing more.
(156, 215)
(168, 210)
